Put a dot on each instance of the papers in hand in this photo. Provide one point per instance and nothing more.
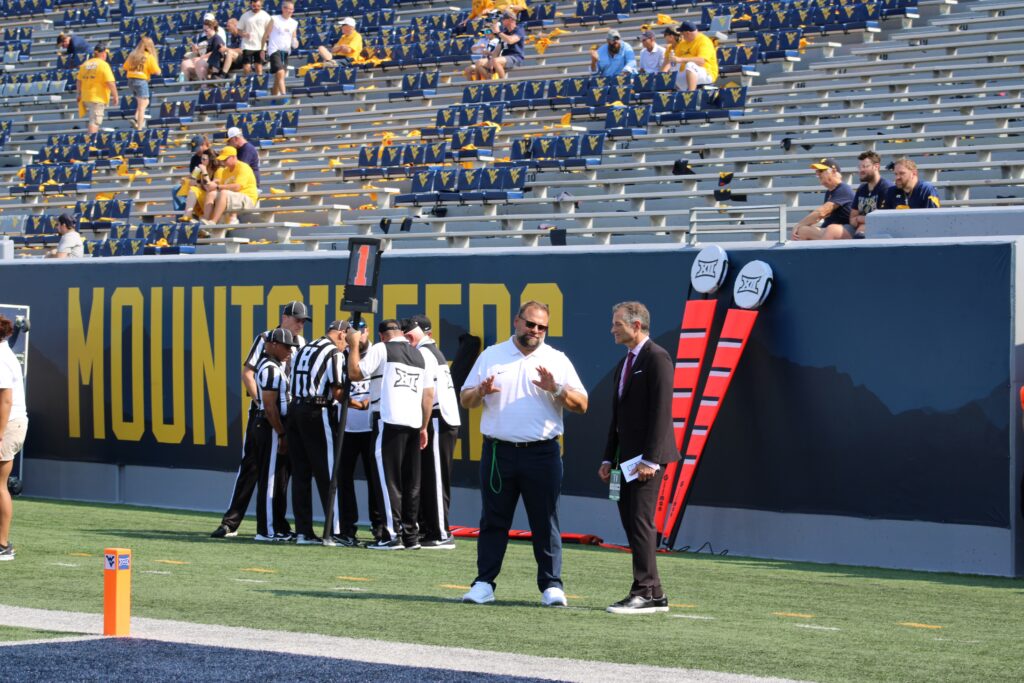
(629, 468)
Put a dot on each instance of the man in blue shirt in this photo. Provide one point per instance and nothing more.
(247, 151)
(871, 194)
(613, 57)
(908, 192)
(73, 45)
(509, 52)
(828, 221)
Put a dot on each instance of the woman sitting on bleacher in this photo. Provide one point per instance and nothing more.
(140, 65)
(195, 186)
(205, 56)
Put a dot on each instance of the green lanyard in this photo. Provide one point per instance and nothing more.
(494, 468)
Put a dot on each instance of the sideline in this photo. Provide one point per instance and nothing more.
(370, 651)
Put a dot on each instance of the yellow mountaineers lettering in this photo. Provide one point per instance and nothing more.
(170, 357)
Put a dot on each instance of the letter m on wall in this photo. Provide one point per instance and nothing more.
(85, 361)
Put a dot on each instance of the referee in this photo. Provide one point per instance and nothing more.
(442, 433)
(401, 431)
(318, 380)
(293, 318)
(523, 385)
(265, 433)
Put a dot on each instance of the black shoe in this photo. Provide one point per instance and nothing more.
(223, 532)
(345, 541)
(446, 544)
(636, 604)
(395, 544)
(284, 537)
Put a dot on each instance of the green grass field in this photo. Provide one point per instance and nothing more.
(805, 621)
(10, 634)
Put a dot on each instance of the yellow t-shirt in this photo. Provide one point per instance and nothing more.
(700, 47)
(149, 68)
(242, 175)
(94, 75)
(354, 41)
(515, 5)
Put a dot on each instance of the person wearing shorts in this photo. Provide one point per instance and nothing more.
(233, 188)
(253, 26)
(510, 54)
(96, 88)
(695, 55)
(139, 67)
(13, 427)
(280, 39)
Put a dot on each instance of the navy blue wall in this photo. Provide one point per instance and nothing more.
(875, 383)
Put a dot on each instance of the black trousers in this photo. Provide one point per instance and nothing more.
(249, 476)
(506, 473)
(636, 508)
(358, 447)
(310, 433)
(436, 479)
(397, 455)
(275, 472)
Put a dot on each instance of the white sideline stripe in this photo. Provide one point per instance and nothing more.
(249, 580)
(697, 617)
(370, 651)
(64, 564)
(816, 628)
(48, 641)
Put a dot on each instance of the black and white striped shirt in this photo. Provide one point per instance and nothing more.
(271, 376)
(317, 369)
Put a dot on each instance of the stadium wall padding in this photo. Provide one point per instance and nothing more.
(877, 384)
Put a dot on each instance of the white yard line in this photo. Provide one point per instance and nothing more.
(371, 651)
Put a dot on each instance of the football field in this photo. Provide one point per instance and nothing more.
(729, 614)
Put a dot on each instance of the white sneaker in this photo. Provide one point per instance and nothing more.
(481, 593)
(554, 597)
(263, 539)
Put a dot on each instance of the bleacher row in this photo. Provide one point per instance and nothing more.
(946, 93)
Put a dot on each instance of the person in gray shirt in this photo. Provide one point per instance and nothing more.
(70, 245)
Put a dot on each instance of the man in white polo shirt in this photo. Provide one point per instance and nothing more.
(13, 426)
(523, 385)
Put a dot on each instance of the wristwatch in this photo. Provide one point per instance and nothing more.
(559, 390)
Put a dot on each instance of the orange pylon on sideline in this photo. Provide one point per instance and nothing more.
(117, 591)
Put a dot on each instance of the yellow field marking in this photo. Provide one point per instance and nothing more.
(911, 624)
(170, 561)
(352, 578)
(81, 554)
(454, 586)
(258, 570)
(682, 605)
(793, 615)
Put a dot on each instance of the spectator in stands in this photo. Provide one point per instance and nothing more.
(197, 64)
(909, 192)
(830, 219)
(216, 49)
(253, 26)
(480, 50)
(871, 194)
(194, 185)
(349, 48)
(247, 151)
(280, 38)
(96, 88)
(233, 53)
(695, 56)
(233, 188)
(200, 144)
(613, 57)
(140, 65)
(652, 56)
(70, 245)
(509, 52)
(73, 45)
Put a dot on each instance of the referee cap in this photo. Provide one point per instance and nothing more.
(338, 326)
(418, 320)
(283, 336)
(297, 310)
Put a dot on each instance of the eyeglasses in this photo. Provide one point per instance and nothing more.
(530, 325)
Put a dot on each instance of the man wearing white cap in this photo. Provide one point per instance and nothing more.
(347, 50)
(247, 151)
(252, 25)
